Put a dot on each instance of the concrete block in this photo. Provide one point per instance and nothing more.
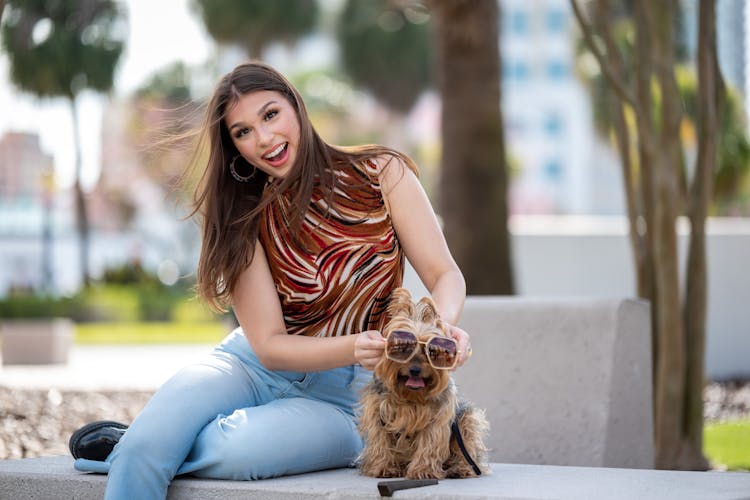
(53, 478)
(30, 342)
(564, 382)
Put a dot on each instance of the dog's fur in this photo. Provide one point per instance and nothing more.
(407, 430)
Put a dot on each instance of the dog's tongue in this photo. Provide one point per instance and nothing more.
(415, 382)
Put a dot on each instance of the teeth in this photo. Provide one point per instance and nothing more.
(275, 151)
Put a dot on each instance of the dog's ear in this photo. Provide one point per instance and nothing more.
(427, 311)
(400, 304)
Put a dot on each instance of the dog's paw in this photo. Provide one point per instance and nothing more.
(424, 472)
(381, 471)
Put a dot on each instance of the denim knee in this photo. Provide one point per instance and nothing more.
(290, 436)
(224, 450)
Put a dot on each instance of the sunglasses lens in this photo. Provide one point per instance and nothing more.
(442, 352)
(400, 345)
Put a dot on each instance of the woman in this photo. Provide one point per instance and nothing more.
(305, 241)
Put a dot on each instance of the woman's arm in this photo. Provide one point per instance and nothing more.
(258, 310)
(424, 244)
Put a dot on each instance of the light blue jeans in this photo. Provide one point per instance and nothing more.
(230, 418)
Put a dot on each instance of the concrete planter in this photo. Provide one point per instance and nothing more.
(34, 342)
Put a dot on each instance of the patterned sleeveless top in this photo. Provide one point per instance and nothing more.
(338, 281)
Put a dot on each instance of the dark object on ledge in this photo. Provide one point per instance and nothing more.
(386, 488)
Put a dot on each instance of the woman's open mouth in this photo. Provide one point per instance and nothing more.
(278, 155)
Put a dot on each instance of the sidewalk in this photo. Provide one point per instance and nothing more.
(136, 367)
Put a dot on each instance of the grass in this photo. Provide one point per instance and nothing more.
(150, 333)
(727, 444)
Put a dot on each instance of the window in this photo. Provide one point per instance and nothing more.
(553, 169)
(553, 125)
(557, 70)
(517, 22)
(556, 21)
(515, 71)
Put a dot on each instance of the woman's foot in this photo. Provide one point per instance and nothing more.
(95, 441)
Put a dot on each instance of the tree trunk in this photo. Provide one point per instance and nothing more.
(671, 361)
(678, 329)
(473, 185)
(82, 222)
(709, 92)
(634, 205)
(647, 151)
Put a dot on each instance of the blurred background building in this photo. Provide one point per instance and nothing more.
(27, 200)
(559, 164)
(731, 38)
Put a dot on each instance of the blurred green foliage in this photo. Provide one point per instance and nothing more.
(727, 444)
(731, 183)
(253, 24)
(125, 294)
(385, 48)
(58, 49)
(140, 333)
(22, 305)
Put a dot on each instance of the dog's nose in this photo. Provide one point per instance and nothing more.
(414, 371)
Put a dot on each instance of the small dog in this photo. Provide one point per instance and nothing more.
(410, 410)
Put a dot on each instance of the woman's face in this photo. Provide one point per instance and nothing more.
(265, 129)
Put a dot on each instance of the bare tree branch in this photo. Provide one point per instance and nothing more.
(616, 80)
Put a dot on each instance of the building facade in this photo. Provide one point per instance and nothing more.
(559, 164)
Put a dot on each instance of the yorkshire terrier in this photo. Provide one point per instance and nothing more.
(412, 422)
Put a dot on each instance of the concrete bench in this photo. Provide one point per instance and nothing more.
(564, 382)
(53, 478)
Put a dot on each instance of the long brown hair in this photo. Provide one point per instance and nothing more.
(230, 209)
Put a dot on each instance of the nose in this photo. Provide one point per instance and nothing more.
(264, 136)
(415, 370)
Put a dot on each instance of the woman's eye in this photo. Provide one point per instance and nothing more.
(241, 132)
(270, 114)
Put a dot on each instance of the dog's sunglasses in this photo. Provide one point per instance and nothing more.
(401, 346)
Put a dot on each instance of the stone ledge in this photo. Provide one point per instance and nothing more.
(49, 478)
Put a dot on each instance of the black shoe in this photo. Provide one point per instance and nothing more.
(95, 441)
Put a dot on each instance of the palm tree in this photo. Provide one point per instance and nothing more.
(390, 49)
(253, 24)
(385, 49)
(58, 49)
(473, 186)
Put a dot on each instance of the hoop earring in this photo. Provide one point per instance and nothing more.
(237, 176)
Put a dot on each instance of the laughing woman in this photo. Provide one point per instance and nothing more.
(305, 241)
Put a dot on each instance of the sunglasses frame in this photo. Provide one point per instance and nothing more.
(424, 349)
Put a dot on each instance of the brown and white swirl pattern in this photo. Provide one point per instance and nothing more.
(337, 282)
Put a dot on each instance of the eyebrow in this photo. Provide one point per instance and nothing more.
(260, 112)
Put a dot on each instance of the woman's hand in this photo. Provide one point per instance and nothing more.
(368, 348)
(463, 341)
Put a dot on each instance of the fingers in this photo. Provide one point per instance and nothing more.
(464, 344)
(368, 348)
